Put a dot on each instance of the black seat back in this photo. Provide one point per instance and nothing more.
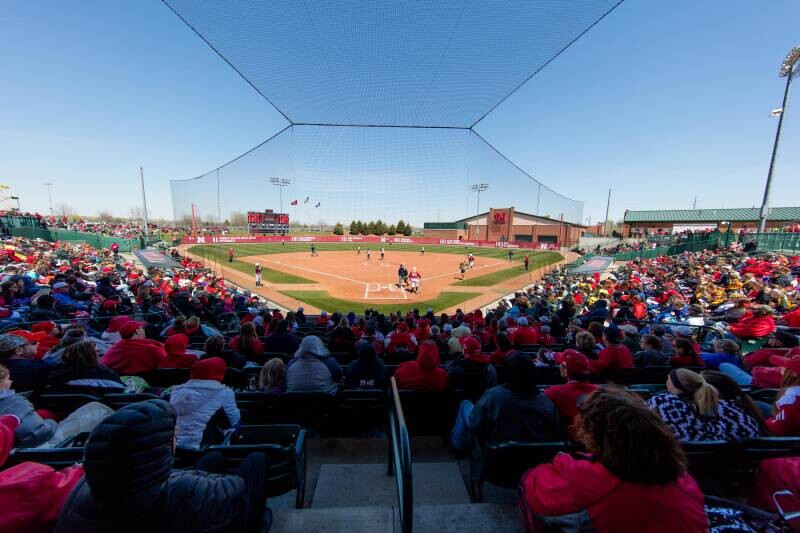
(429, 412)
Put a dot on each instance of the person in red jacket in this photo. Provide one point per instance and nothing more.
(634, 479)
(50, 339)
(685, 354)
(574, 393)
(401, 337)
(761, 324)
(525, 334)
(424, 373)
(779, 343)
(614, 356)
(134, 354)
(32, 494)
(786, 421)
(177, 357)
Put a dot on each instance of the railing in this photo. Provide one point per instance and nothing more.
(93, 239)
(777, 242)
(95, 323)
(677, 249)
(399, 463)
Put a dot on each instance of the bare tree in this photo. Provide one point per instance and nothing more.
(136, 213)
(64, 210)
(238, 219)
(105, 216)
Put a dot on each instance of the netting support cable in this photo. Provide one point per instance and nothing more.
(398, 126)
(526, 80)
(284, 115)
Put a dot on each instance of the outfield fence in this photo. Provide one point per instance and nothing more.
(93, 239)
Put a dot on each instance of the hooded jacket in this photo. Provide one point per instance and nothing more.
(32, 494)
(612, 357)
(96, 380)
(753, 327)
(130, 486)
(312, 369)
(134, 356)
(175, 347)
(195, 402)
(424, 373)
(367, 372)
(573, 494)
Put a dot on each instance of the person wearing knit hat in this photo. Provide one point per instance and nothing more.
(134, 354)
(198, 400)
(514, 411)
(112, 334)
(569, 397)
(130, 484)
(424, 373)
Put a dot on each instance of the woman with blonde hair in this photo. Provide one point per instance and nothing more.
(689, 406)
(272, 378)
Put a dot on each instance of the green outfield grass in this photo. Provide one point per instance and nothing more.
(538, 260)
(220, 255)
(321, 300)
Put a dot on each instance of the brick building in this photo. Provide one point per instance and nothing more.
(637, 223)
(506, 224)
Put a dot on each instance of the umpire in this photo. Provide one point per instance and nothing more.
(402, 275)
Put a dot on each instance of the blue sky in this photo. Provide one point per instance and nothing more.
(661, 101)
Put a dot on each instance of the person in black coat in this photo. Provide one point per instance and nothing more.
(651, 353)
(282, 340)
(130, 486)
(367, 372)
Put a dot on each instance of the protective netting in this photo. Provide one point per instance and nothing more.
(389, 62)
(358, 173)
(381, 98)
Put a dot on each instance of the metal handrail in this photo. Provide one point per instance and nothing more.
(82, 321)
(400, 460)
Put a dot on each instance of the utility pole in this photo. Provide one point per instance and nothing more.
(144, 206)
(694, 204)
(479, 188)
(608, 204)
(789, 71)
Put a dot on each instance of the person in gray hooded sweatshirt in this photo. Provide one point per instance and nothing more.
(312, 369)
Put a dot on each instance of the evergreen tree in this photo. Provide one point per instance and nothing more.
(353, 228)
(380, 227)
(401, 226)
(370, 228)
(338, 229)
(391, 230)
(407, 229)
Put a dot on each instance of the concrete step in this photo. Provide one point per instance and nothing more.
(377, 519)
(452, 518)
(347, 485)
(472, 517)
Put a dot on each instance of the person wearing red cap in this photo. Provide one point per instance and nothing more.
(525, 334)
(786, 421)
(424, 373)
(50, 338)
(400, 339)
(177, 356)
(111, 334)
(570, 396)
(134, 353)
(32, 494)
(199, 399)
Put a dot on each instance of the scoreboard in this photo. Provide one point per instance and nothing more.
(267, 222)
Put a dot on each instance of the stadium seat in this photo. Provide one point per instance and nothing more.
(166, 377)
(504, 464)
(118, 401)
(310, 410)
(257, 407)
(362, 409)
(429, 412)
(285, 445)
(63, 404)
(63, 455)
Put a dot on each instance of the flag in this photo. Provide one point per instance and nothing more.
(306, 200)
(317, 204)
(776, 112)
(294, 202)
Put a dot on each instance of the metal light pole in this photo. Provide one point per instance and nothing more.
(608, 205)
(144, 207)
(50, 196)
(479, 188)
(280, 183)
(787, 71)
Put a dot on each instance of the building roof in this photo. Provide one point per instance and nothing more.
(747, 214)
(543, 217)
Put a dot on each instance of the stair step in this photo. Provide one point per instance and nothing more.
(472, 517)
(368, 485)
(377, 519)
(452, 518)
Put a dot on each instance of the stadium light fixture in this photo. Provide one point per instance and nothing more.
(788, 70)
(280, 183)
(50, 196)
(479, 188)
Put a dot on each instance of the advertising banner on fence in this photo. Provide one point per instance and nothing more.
(214, 239)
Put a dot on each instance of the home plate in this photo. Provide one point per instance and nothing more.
(377, 291)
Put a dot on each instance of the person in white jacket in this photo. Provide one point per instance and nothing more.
(197, 400)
